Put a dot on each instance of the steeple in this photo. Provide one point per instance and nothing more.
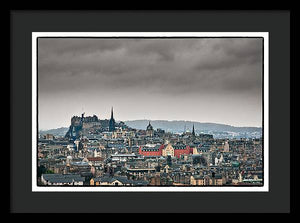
(112, 121)
(112, 113)
(193, 132)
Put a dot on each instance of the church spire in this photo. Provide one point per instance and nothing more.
(193, 132)
(112, 113)
(112, 121)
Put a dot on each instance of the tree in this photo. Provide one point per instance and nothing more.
(49, 171)
(41, 170)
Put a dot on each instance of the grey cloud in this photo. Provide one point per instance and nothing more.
(165, 68)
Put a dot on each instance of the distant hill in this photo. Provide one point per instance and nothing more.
(178, 126)
(59, 131)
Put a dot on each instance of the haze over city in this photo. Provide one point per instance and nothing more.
(215, 80)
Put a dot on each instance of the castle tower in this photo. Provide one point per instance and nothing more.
(112, 121)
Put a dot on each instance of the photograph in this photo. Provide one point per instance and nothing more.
(150, 111)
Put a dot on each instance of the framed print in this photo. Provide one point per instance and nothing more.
(139, 114)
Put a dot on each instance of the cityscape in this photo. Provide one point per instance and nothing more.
(97, 152)
(150, 112)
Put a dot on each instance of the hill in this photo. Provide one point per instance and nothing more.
(218, 130)
(178, 126)
(58, 132)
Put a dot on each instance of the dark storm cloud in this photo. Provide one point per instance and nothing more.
(163, 67)
(187, 64)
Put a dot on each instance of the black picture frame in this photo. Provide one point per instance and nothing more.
(277, 23)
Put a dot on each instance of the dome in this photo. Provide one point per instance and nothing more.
(149, 127)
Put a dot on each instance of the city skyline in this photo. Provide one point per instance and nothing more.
(143, 79)
(145, 119)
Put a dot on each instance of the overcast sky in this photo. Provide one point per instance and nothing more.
(206, 79)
